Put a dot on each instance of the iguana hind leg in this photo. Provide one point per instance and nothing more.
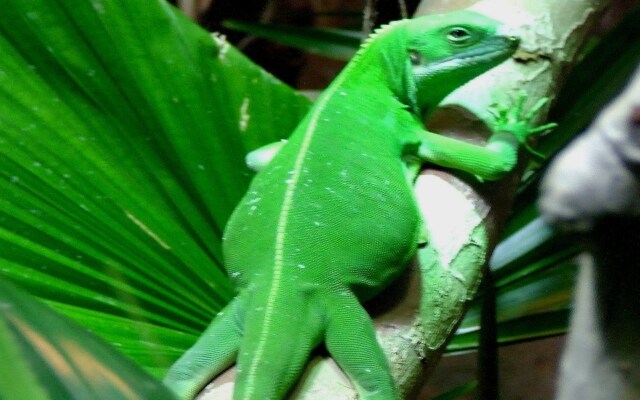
(351, 341)
(214, 352)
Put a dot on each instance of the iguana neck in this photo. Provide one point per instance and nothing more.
(381, 65)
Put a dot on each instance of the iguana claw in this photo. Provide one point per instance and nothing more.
(509, 117)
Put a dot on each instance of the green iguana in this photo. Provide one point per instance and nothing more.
(331, 219)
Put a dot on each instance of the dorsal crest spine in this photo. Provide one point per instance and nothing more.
(378, 32)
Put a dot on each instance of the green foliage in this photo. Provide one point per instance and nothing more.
(46, 357)
(123, 131)
(333, 43)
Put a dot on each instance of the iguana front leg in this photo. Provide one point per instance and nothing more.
(511, 129)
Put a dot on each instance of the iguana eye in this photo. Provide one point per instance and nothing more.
(458, 35)
(415, 57)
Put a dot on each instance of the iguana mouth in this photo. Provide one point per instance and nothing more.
(493, 51)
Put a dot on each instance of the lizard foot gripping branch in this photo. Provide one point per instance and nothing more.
(330, 219)
(514, 121)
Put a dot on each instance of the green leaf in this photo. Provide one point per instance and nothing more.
(46, 357)
(534, 277)
(332, 43)
(123, 131)
(531, 327)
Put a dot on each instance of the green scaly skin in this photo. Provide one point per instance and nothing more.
(331, 219)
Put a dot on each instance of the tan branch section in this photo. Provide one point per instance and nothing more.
(193, 8)
(420, 317)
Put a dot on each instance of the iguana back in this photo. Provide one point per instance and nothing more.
(334, 208)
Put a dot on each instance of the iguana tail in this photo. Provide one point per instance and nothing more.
(278, 338)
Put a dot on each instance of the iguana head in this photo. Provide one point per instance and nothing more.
(446, 51)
